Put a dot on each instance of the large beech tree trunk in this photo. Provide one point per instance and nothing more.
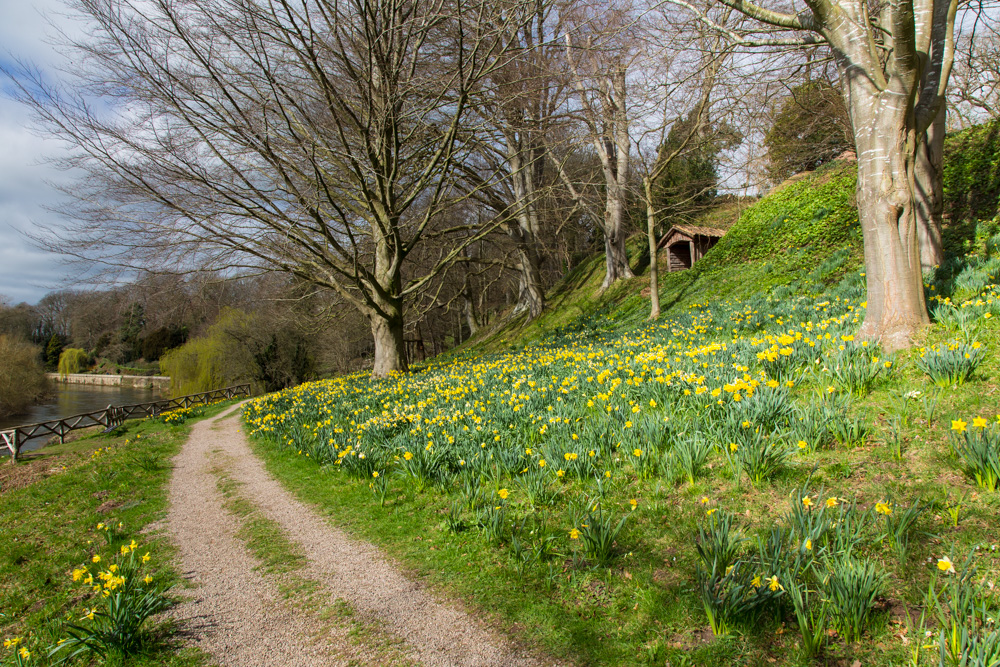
(385, 309)
(616, 258)
(888, 204)
(390, 351)
(531, 296)
(929, 183)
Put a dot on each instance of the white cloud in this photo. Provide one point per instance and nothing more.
(27, 273)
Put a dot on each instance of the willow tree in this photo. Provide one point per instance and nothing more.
(894, 59)
(315, 137)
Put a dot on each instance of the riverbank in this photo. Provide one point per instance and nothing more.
(65, 400)
(135, 381)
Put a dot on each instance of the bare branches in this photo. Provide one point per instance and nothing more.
(771, 18)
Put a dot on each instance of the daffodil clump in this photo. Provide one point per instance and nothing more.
(951, 364)
(181, 415)
(978, 446)
(959, 624)
(124, 594)
(818, 561)
(19, 654)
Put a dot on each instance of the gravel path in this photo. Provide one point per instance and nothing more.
(237, 616)
(233, 613)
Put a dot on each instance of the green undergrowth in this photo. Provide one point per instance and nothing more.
(50, 528)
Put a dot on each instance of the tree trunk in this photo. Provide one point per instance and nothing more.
(469, 310)
(531, 296)
(930, 193)
(887, 206)
(390, 350)
(654, 279)
(616, 258)
(386, 310)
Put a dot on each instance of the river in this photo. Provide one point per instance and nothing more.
(67, 400)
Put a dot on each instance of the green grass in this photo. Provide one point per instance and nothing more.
(49, 529)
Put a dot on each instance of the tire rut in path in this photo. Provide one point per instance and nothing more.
(436, 634)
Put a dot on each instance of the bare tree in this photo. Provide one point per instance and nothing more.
(975, 94)
(599, 54)
(520, 103)
(894, 60)
(684, 89)
(314, 137)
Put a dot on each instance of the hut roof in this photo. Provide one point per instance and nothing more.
(690, 231)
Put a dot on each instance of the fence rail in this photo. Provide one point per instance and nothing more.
(113, 416)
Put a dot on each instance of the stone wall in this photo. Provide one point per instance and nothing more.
(139, 381)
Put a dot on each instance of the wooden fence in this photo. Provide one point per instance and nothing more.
(113, 416)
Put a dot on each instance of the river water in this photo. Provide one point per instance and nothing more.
(67, 400)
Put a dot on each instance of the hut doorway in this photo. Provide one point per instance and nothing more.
(680, 256)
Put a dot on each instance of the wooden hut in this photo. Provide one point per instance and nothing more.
(686, 244)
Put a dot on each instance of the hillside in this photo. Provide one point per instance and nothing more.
(802, 237)
(740, 480)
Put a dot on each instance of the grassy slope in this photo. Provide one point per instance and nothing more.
(783, 239)
(49, 529)
(799, 242)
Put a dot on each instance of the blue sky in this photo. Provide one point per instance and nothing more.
(27, 273)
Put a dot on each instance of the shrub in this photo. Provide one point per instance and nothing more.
(22, 379)
(952, 364)
(73, 360)
(810, 128)
(240, 347)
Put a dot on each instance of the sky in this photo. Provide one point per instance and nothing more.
(26, 272)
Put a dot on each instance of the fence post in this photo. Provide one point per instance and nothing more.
(10, 440)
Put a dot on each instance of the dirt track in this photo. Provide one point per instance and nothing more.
(236, 613)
